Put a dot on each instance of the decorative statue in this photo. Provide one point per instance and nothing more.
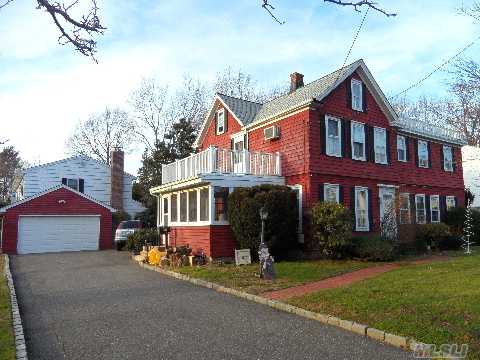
(267, 271)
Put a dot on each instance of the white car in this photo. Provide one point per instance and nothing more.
(124, 229)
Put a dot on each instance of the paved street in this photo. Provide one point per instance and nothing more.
(99, 305)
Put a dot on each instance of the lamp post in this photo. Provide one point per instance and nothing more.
(267, 271)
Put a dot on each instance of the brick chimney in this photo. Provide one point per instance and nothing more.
(116, 178)
(296, 81)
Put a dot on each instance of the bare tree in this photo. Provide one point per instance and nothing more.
(149, 110)
(78, 31)
(11, 166)
(102, 133)
(356, 5)
(473, 10)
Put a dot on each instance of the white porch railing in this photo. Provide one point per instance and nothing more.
(217, 160)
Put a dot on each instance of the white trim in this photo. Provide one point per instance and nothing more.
(62, 215)
(404, 149)
(339, 128)
(431, 210)
(364, 157)
(424, 208)
(388, 186)
(444, 147)
(376, 130)
(418, 154)
(389, 190)
(356, 82)
(45, 192)
(224, 118)
(337, 193)
(367, 227)
(299, 187)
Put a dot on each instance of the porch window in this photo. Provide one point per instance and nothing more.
(333, 140)
(420, 209)
(204, 197)
(447, 158)
(358, 141)
(192, 206)
(404, 208)
(434, 208)
(220, 200)
(331, 193)
(183, 207)
(357, 96)
(361, 209)
(401, 148)
(165, 211)
(380, 140)
(422, 154)
(450, 200)
(174, 208)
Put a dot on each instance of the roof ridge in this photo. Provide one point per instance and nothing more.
(239, 98)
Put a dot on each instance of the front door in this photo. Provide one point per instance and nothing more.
(239, 155)
(388, 217)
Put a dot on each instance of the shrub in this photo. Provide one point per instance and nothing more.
(432, 235)
(373, 248)
(142, 237)
(331, 228)
(244, 206)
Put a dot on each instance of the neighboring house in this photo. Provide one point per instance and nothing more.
(67, 205)
(335, 139)
(107, 184)
(471, 171)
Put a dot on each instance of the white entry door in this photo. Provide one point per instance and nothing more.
(41, 234)
(239, 155)
(387, 201)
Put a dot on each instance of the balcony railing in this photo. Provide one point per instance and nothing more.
(224, 161)
(429, 129)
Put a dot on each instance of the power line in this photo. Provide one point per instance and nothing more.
(353, 43)
(436, 69)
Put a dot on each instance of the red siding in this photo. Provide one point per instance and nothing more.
(48, 204)
(223, 140)
(215, 241)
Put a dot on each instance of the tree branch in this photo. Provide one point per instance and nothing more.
(268, 7)
(358, 4)
(83, 29)
(5, 3)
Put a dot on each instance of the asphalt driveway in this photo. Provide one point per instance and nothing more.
(99, 305)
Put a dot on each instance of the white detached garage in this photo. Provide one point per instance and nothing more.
(59, 219)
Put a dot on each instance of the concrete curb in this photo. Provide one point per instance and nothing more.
(402, 342)
(20, 345)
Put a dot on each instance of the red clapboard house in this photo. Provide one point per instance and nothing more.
(335, 139)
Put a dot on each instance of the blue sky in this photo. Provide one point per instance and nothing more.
(46, 88)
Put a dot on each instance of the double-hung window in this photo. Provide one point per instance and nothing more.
(401, 148)
(173, 208)
(72, 183)
(380, 140)
(422, 154)
(434, 208)
(357, 96)
(333, 140)
(358, 141)
(192, 206)
(331, 193)
(183, 207)
(450, 200)
(421, 217)
(404, 208)
(204, 204)
(447, 158)
(220, 121)
(361, 209)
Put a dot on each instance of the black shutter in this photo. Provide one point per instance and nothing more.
(348, 84)
(453, 159)
(413, 209)
(352, 207)
(225, 120)
(343, 139)
(456, 201)
(245, 142)
(81, 185)
(407, 148)
(321, 192)
(415, 148)
(232, 144)
(369, 144)
(427, 209)
(443, 207)
(323, 135)
(442, 159)
(348, 139)
(364, 98)
(429, 155)
(64, 181)
(215, 120)
(387, 145)
(370, 210)
(340, 194)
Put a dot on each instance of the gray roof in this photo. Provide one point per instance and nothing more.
(244, 110)
(249, 112)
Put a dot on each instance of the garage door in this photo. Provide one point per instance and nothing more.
(40, 234)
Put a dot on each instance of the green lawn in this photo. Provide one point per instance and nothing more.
(7, 342)
(434, 303)
(290, 273)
